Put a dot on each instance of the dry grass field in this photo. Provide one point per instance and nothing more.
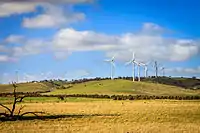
(108, 116)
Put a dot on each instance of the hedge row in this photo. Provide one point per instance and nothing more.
(114, 97)
(22, 93)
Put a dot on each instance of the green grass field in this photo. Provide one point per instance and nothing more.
(126, 87)
(149, 116)
(24, 87)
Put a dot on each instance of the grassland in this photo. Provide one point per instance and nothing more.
(24, 87)
(126, 87)
(9, 100)
(110, 117)
(108, 87)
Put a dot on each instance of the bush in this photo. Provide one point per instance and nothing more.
(61, 97)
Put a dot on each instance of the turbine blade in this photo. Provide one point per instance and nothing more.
(128, 63)
(133, 56)
(107, 60)
(136, 62)
(113, 57)
(143, 64)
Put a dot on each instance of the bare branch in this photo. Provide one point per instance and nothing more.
(14, 84)
(19, 99)
(5, 107)
(34, 113)
(20, 109)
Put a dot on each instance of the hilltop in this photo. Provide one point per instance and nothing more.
(26, 87)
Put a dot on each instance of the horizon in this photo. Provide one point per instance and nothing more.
(101, 78)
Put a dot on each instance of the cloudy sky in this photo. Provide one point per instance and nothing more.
(70, 39)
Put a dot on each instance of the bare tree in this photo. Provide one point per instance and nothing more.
(17, 99)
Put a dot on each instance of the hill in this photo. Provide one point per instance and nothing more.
(187, 83)
(25, 87)
(120, 86)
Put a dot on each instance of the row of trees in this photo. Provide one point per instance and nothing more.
(114, 97)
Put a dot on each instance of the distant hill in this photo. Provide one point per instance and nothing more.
(120, 86)
(25, 87)
(187, 83)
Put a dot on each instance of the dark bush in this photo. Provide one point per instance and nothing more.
(61, 97)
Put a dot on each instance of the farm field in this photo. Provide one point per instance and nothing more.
(125, 87)
(104, 116)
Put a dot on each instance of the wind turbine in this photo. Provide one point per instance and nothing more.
(112, 66)
(145, 68)
(133, 62)
(138, 64)
(163, 71)
(155, 66)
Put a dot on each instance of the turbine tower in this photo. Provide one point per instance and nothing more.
(112, 66)
(163, 71)
(145, 69)
(138, 64)
(133, 62)
(156, 68)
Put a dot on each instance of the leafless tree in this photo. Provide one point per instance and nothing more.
(17, 99)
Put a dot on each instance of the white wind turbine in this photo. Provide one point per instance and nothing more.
(157, 67)
(163, 71)
(112, 66)
(138, 64)
(133, 62)
(145, 68)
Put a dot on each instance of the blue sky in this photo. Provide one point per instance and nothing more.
(71, 39)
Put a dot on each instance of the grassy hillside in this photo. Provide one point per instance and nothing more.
(25, 87)
(120, 86)
(189, 83)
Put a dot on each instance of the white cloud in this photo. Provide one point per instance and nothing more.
(12, 7)
(145, 46)
(72, 40)
(14, 39)
(185, 71)
(3, 49)
(7, 9)
(30, 47)
(52, 17)
(6, 58)
(183, 49)
(51, 1)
